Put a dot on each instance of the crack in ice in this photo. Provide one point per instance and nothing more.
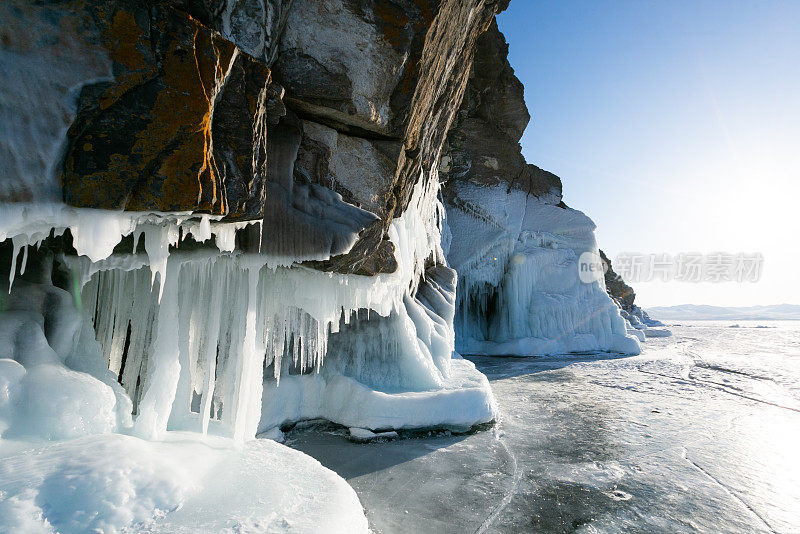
(684, 455)
(719, 387)
(512, 490)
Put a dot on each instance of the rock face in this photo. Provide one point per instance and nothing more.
(183, 125)
(37, 104)
(621, 292)
(387, 77)
(183, 109)
(254, 25)
(483, 145)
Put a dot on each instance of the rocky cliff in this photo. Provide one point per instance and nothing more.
(242, 109)
(272, 161)
(621, 292)
(483, 144)
(246, 201)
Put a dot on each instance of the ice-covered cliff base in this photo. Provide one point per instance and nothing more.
(521, 291)
(186, 355)
(642, 326)
(191, 335)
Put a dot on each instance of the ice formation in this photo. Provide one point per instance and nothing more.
(214, 341)
(55, 383)
(189, 334)
(380, 341)
(520, 292)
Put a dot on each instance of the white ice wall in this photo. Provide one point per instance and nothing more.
(519, 287)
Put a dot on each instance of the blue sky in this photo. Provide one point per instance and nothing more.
(675, 125)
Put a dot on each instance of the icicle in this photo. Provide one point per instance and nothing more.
(24, 259)
(136, 234)
(188, 291)
(209, 347)
(200, 231)
(15, 242)
(164, 369)
(253, 361)
(157, 240)
(225, 237)
(248, 408)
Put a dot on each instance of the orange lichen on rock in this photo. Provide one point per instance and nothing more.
(153, 146)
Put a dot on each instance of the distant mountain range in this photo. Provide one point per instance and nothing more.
(702, 312)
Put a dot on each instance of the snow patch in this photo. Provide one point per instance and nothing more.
(113, 482)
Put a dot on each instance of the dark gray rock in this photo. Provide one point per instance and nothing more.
(182, 127)
(406, 65)
(622, 293)
(483, 143)
(255, 26)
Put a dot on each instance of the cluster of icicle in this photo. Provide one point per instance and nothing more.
(191, 335)
(95, 233)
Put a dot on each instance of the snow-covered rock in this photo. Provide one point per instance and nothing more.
(362, 435)
(515, 245)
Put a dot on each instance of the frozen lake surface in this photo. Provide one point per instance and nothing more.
(699, 433)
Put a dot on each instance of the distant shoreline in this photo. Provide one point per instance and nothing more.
(698, 312)
(725, 319)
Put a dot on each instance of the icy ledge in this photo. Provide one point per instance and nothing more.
(107, 483)
(95, 232)
(464, 400)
